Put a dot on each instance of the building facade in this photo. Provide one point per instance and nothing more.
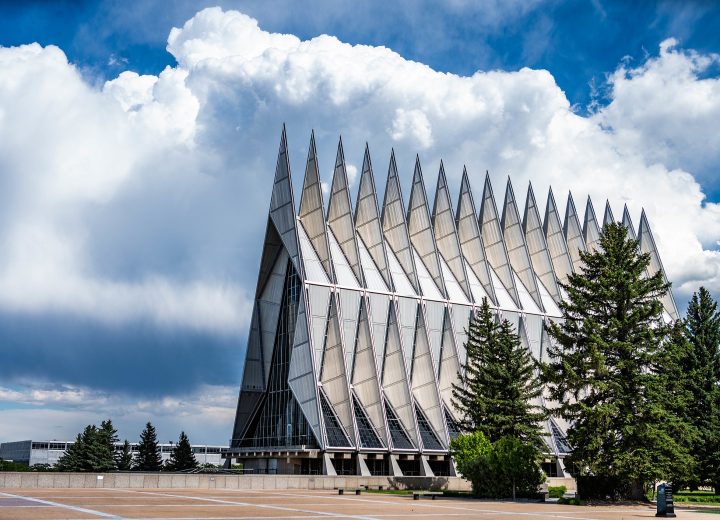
(358, 328)
(49, 452)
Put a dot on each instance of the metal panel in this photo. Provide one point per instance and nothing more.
(379, 317)
(555, 236)
(504, 300)
(435, 315)
(526, 301)
(446, 236)
(269, 310)
(343, 273)
(312, 213)
(407, 318)
(424, 386)
(253, 382)
(318, 302)
(608, 217)
(349, 310)
(471, 242)
(551, 308)
(367, 220)
(401, 283)
(533, 325)
(420, 228)
(301, 376)
(478, 290)
(282, 205)
(454, 292)
(333, 374)
(395, 226)
(461, 322)
(395, 379)
(516, 247)
(573, 234)
(627, 222)
(449, 363)
(647, 245)
(314, 271)
(427, 284)
(492, 236)
(339, 217)
(365, 372)
(537, 246)
(373, 279)
(591, 230)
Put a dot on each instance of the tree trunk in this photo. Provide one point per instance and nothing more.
(637, 491)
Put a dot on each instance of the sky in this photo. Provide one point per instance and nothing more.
(138, 142)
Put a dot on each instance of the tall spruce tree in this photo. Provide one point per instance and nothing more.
(72, 459)
(703, 366)
(499, 385)
(106, 439)
(602, 370)
(124, 458)
(182, 457)
(148, 454)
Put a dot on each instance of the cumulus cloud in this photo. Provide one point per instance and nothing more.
(139, 200)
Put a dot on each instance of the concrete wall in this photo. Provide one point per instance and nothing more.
(219, 481)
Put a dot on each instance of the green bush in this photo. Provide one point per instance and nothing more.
(556, 491)
(7, 465)
(505, 469)
(570, 501)
(467, 449)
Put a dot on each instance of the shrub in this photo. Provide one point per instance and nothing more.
(556, 491)
(602, 487)
(507, 468)
(570, 501)
(467, 449)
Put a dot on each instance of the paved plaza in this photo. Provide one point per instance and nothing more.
(185, 504)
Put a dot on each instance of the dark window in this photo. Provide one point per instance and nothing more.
(560, 440)
(428, 436)
(399, 437)
(368, 437)
(279, 421)
(335, 433)
(213, 450)
(57, 445)
(453, 428)
(39, 445)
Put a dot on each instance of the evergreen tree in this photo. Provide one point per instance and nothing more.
(148, 455)
(498, 383)
(182, 457)
(72, 459)
(703, 369)
(106, 439)
(124, 458)
(603, 369)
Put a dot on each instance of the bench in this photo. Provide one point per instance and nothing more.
(431, 494)
(341, 491)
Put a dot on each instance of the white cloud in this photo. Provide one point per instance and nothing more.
(141, 199)
(60, 412)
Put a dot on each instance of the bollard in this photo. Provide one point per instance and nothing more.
(665, 504)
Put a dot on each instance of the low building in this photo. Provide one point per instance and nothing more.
(49, 452)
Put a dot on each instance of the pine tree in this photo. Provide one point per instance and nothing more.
(602, 371)
(703, 367)
(498, 384)
(106, 439)
(182, 457)
(124, 459)
(148, 455)
(71, 460)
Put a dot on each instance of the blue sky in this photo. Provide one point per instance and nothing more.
(133, 168)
